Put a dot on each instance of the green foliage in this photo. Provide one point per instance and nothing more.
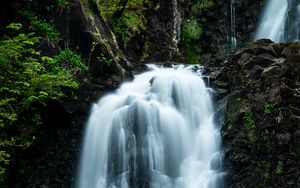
(269, 107)
(129, 25)
(201, 5)
(274, 109)
(265, 167)
(4, 161)
(192, 30)
(131, 21)
(265, 134)
(109, 7)
(63, 3)
(28, 80)
(104, 59)
(70, 60)
(42, 26)
(14, 26)
(279, 168)
(101, 58)
(248, 121)
(191, 52)
(250, 124)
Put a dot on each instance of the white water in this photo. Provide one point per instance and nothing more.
(176, 27)
(292, 27)
(273, 21)
(157, 131)
(280, 21)
(233, 42)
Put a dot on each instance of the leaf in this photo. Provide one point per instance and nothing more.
(26, 84)
(14, 26)
(43, 93)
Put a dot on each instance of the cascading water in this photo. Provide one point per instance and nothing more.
(176, 27)
(292, 26)
(280, 21)
(233, 42)
(157, 131)
(273, 21)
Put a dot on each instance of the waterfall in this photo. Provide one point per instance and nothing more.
(233, 42)
(176, 27)
(157, 131)
(292, 27)
(273, 21)
(280, 21)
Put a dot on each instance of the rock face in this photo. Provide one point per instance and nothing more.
(260, 83)
(262, 116)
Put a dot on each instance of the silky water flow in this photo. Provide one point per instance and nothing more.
(156, 131)
(280, 21)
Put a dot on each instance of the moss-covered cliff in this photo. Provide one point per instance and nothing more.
(113, 39)
(261, 122)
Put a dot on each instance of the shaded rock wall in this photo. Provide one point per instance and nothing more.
(262, 122)
(261, 82)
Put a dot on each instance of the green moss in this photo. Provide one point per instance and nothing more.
(192, 52)
(109, 7)
(129, 25)
(233, 111)
(250, 124)
(130, 22)
(265, 170)
(201, 5)
(192, 30)
(279, 168)
(269, 107)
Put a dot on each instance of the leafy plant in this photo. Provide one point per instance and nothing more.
(104, 59)
(250, 124)
(109, 7)
(192, 52)
(42, 26)
(70, 60)
(128, 19)
(201, 5)
(269, 107)
(265, 170)
(129, 25)
(4, 161)
(29, 80)
(279, 168)
(63, 3)
(192, 30)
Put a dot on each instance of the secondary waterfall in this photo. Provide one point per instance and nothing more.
(292, 27)
(233, 42)
(157, 131)
(280, 21)
(176, 27)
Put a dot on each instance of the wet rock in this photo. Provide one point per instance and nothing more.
(258, 48)
(255, 72)
(241, 160)
(261, 126)
(271, 75)
(283, 139)
(297, 137)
